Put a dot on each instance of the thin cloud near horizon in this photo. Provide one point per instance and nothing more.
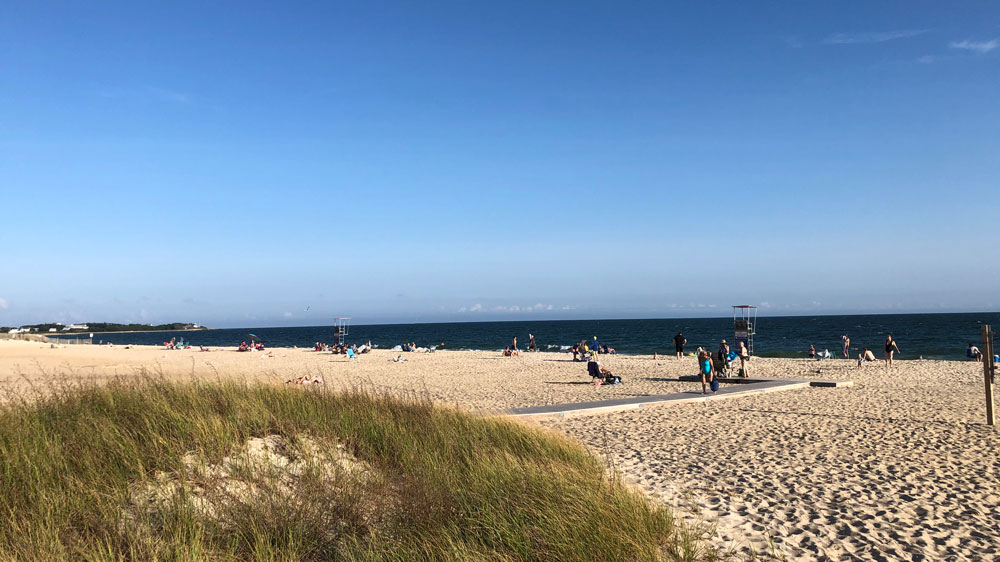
(871, 36)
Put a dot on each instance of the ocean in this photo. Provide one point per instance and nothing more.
(932, 336)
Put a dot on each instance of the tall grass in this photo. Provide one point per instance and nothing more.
(438, 484)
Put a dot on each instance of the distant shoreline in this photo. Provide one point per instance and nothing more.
(57, 334)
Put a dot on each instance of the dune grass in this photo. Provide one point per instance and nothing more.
(77, 466)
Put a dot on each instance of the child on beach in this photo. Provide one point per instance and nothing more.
(706, 368)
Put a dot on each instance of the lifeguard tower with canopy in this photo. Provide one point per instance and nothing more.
(341, 327)
(744, 325)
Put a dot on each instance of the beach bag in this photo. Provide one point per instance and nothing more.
(714, 385)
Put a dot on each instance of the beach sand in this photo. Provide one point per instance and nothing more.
(899, 466)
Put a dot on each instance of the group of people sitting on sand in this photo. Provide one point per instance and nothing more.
(252, 346)
(174, 344)
(342, 348)
(414, 348)
(585, 350)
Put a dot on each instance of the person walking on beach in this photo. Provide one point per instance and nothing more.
(972, 352)
(705, 367)
(890, 348)
(531, 343)
(679, 342)
(847, 345)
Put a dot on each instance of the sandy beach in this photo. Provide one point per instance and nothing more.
(899, 466)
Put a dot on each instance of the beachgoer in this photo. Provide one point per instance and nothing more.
(506, 352)
(744, 355)
(679, 342)
(890, 349)
(574, 350)
(513, 346)
(531, 343)
(868, 355)
(705, 368)
(846, 340)
(722, 356)
(596, 347)
(812, 351)
(860, 359)
(973, 353)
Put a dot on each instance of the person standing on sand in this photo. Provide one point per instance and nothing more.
(847, 345)
(531, 342)
(679, 342)
(890, 348)
(706, 368)
(744, 355)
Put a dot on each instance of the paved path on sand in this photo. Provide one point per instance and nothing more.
(735, 388)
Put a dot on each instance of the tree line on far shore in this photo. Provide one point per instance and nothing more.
(108, 327)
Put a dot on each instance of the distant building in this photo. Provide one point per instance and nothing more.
(75, 327)
(53, 330)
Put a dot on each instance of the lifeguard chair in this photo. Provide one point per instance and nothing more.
(341, 327)
(744, 325)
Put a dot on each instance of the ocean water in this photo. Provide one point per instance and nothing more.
(933, 336)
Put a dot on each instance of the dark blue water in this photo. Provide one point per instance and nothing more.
(940, 336)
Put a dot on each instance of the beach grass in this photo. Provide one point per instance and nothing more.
(148, 469)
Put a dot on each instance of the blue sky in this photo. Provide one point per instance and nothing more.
(233, 164)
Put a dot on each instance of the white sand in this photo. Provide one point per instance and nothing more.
(898, 467)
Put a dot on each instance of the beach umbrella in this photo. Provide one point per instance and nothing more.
(254, 337)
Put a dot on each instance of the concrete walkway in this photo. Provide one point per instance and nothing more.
(742, 387)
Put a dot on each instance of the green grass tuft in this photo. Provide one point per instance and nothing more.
(146, 471)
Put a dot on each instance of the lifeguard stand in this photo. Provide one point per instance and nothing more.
(341, 326)
(744, 325)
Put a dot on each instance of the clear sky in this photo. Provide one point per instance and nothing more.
(234, 164)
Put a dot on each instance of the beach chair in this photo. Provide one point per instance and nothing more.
(594, 370)
(351, 354)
